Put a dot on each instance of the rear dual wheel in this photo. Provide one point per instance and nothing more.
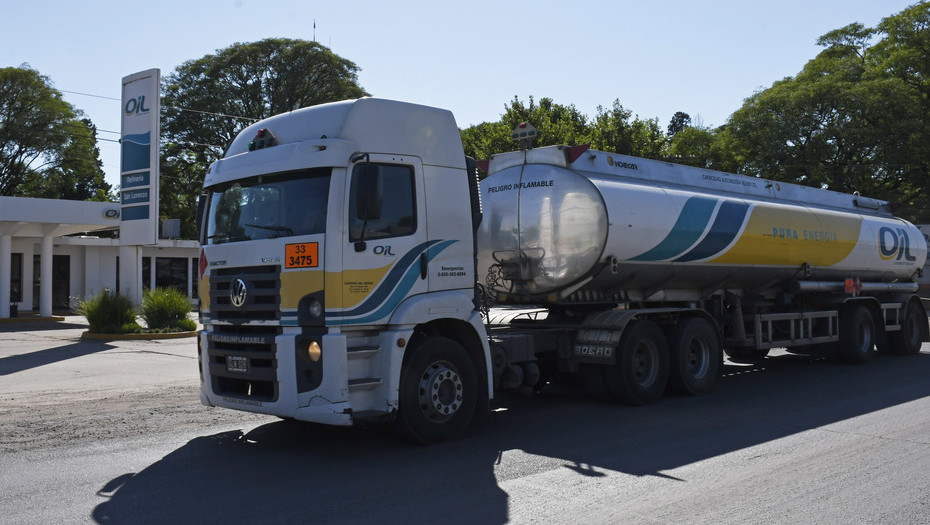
(857, 334)
(688, 361)
(696, 356)
(908, 340)
(640, 374)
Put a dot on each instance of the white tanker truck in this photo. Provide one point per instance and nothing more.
(350, 258)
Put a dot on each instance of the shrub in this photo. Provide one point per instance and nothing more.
(166, 308)
(110, 313)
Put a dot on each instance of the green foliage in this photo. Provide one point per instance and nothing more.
(46, 148)
(166, 308)
(856, 118)
(110, 313)
(230, 90)
(680, 121)
(78, 174)
(610, 130)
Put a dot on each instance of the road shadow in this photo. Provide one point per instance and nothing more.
(292, 472)
(20, 362)
(10, 325)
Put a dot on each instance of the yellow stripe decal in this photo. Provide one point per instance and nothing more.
(297, 284)
(782, 236)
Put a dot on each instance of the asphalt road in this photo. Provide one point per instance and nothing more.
(114, 433)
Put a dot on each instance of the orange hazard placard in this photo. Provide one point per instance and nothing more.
(301, 255)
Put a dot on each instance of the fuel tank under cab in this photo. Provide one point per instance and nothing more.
(558, 228)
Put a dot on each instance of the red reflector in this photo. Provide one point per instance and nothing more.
(572, 153)
(203, 263)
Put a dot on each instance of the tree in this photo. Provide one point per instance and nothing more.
(78, 174)
(680, 121)
(209, 100)
(854, 118)
(46, 148)
(610, 130)
(904, 54)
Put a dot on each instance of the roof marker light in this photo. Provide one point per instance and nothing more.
(263, 139)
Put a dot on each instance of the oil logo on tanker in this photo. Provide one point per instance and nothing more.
(737, 232)
(893, 243)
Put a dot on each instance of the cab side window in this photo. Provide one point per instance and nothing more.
(394, 212)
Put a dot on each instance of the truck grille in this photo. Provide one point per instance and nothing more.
(242, 361)
(262, 298)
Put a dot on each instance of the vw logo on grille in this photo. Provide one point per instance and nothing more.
(238, 293)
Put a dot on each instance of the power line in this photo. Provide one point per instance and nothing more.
(212, 113)
(167, 107)
(88, 95)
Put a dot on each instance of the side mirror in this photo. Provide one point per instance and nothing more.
(201, 204)
(368, 192)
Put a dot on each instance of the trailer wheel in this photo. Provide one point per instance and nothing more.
(694, 356)
(857, 334)
(641, 373)
(907, 340)
(438, 392)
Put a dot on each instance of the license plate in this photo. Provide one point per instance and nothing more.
(236, 363)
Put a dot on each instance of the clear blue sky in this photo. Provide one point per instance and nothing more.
(657, 57)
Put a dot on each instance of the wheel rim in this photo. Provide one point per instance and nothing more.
(645, 363)
(698, 358)
(865, 337)
(440, 391)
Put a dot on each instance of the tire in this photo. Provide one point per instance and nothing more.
(857, 334)
(908, 340)
(746, 354)
(641, 373)
(438, 392)
(694, 357)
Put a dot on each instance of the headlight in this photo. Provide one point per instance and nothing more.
(316, 309)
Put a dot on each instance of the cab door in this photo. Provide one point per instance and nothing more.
(385, 239)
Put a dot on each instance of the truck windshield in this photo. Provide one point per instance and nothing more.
(268, 206)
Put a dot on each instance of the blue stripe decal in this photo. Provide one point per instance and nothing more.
(728, 223)
(387, 285)
(394, 288)
(694, 217)
(400, 292)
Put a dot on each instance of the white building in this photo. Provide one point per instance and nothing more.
(43, 268)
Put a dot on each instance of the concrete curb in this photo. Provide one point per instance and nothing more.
(31, 319)
(136, 337)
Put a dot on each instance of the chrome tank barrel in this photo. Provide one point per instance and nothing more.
(550, 231)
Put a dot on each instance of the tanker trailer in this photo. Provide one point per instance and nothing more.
(648, 271)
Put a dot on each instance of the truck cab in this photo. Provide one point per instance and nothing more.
(337, 270)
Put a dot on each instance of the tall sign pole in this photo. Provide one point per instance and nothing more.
(139, 145)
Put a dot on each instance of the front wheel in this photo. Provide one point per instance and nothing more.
(438, 391)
